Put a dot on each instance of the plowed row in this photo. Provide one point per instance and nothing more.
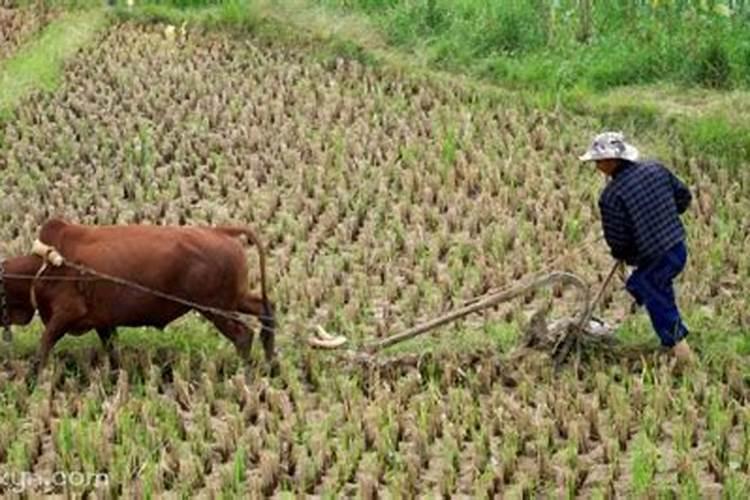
(383, 199)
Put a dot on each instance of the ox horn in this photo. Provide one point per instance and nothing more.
(325, 340)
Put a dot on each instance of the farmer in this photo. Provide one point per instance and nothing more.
(640, 209)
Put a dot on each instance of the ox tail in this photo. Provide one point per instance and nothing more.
(236, 232)
(267, 321)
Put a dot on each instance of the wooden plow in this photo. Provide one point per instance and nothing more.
(559, 337)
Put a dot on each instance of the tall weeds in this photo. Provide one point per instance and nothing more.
(569, 43)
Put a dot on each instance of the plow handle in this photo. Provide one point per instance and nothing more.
(489, 301)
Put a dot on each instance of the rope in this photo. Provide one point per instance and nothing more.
(31, 277)
(233, 315)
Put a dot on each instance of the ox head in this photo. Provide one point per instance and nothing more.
(17, 274)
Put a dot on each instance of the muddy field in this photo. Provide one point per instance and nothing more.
(384, 199)
(464, 425)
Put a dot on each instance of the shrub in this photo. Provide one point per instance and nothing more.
(713, 69)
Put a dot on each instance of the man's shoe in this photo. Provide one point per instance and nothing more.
(683, 353)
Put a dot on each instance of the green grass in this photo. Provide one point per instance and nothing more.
(64, 4)
(190, 335)
(564, 44)
(39, 65)
(719, 137)
(235, 14)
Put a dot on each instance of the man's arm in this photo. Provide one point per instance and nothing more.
(617, 228)
(682, 195)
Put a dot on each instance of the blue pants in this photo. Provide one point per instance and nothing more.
(651, 285)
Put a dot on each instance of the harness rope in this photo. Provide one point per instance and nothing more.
(51, 256)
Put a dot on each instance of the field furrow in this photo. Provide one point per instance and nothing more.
(384, 198)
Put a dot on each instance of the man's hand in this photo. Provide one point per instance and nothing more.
(621, 271)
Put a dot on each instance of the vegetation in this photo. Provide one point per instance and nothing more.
(17, 26)
(192, 425)
(38, 65)
(628, 64)
(385, 196)
(553, 45)
(466, 176)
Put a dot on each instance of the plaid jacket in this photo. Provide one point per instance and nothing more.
(640, 209)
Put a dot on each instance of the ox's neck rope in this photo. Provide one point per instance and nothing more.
(4, 312)
(131, 284)
(38, 274)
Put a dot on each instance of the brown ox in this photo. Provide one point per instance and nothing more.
(202, 265)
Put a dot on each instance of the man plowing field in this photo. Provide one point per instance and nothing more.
(640, 209)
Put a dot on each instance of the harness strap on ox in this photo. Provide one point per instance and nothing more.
(49, 256)
(33, 284)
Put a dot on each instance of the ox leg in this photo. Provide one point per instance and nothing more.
(264, 311)
(106, 335)
(53, 332)
(63, 313)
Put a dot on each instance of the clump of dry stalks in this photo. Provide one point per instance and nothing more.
(384, 199)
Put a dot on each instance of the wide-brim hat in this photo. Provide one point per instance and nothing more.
(610, 146)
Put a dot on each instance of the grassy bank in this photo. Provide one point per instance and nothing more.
(544, 46)
(566, 44)
(611, 60)
(38, 65)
